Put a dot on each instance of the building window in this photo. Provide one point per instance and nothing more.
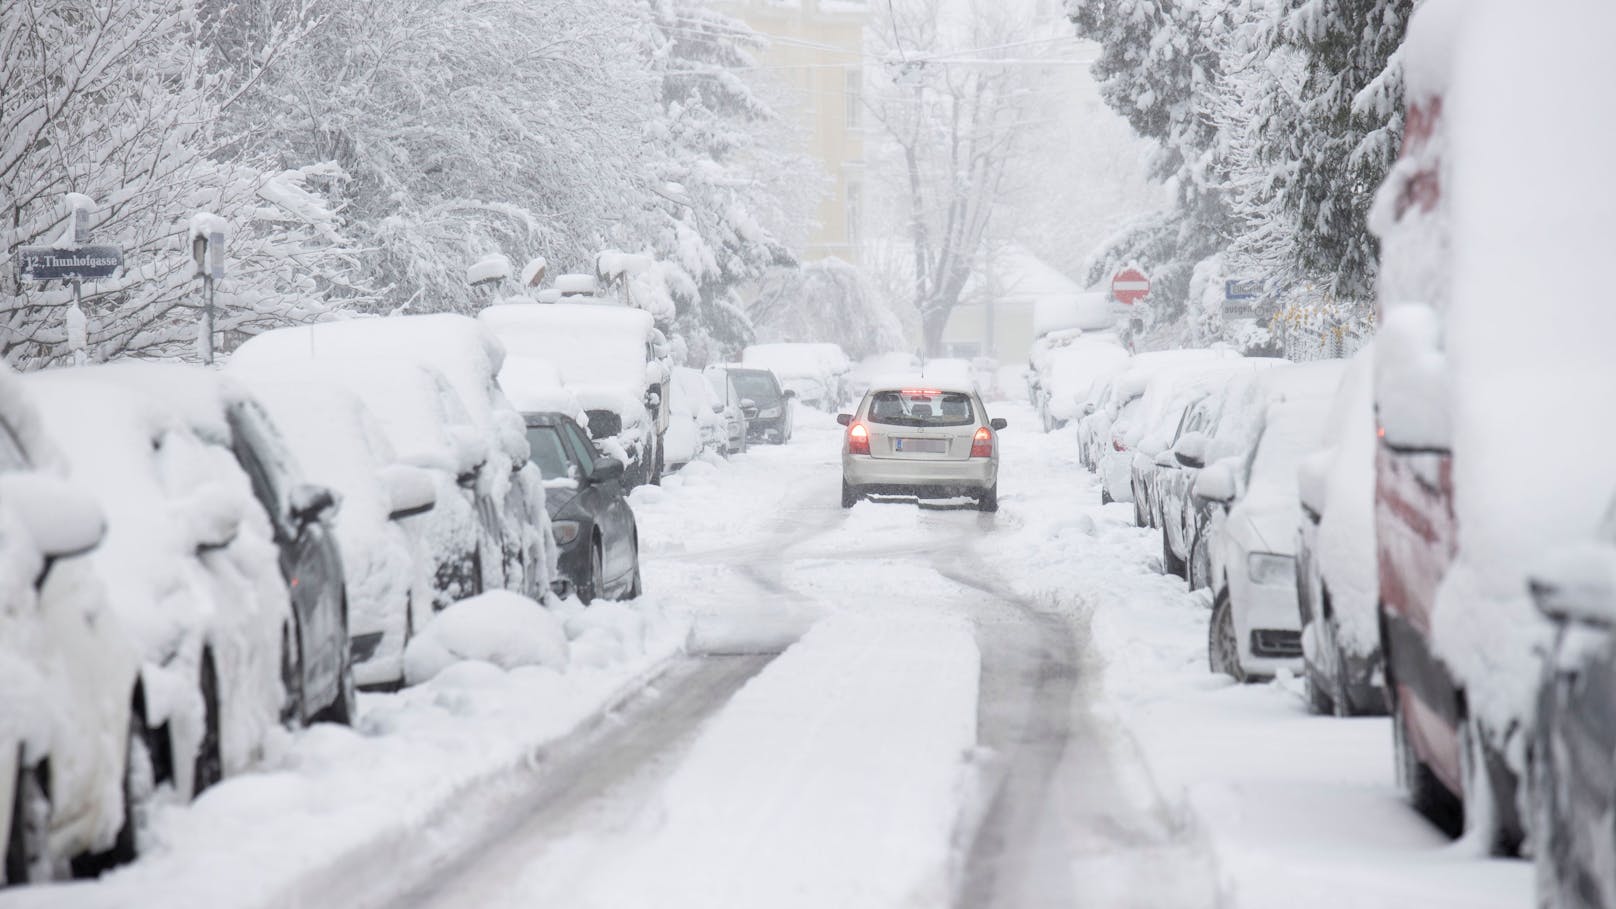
(854, 208)
(854, 96)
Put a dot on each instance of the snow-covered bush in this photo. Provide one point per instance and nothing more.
(498, 627)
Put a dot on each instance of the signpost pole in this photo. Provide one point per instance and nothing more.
(207, 343)
(79, 356)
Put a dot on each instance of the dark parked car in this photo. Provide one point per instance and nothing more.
(1573, 751)
(773, 421)
(593, 524)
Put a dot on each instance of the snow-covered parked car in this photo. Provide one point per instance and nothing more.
(1255, 628)
(1164, 408)
(386, 559)
(1122, 423)
(734, 413)
(616, 362)
(191, 572)
(696, 424)
(594, 525)
(223, 414)
(535, 385)
(68, 669)
(488, 435)
(1336, 580)
(1494, 441)
(1066, 380)
(815, 373)
(877, 366)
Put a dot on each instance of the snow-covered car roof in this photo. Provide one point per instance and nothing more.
(1132, 382)
(465, 352)
(1073, 369)
(591, 344)
(793, 360)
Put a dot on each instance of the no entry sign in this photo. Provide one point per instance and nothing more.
(1130, 286)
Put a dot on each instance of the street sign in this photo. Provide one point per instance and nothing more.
(83, 263)
(1249, 289)
(1130, 286)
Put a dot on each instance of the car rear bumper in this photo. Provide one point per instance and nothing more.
(939, 479)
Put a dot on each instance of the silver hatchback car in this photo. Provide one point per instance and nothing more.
(924, 440)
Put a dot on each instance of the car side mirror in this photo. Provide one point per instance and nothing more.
(999, 423)
(410, 491)
(717, 407)
(62, 520)
(1165, 459)
(1577, 584)
(1088, 408)
(311, 502)
(845, 419)
(653, 397)
(1191, 449)
(1215, 484)
(790, 393)
(606, 469)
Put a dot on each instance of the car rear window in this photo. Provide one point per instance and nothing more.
(922, 407)
(758, 386)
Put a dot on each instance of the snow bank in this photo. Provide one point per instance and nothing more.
(498, 627)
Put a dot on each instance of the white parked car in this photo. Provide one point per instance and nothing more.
(813, 373)
(1337, 578)
(1255, 628)
(913, 439)
(876, 366)
(1120, 428)
(697, 421)
(613, 358)
(386, 559)
(735, 413)
(1068, 377)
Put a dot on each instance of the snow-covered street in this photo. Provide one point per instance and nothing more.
(889, 706)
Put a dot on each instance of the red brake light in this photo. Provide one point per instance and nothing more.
(1116, 444)
(982, 443)
(930, 392)
(858, 439)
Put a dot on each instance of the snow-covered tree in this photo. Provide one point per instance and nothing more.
(114, 100)
(710, 148)
(960, 129)
(826, 300)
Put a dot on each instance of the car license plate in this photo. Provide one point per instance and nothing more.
(923, 446)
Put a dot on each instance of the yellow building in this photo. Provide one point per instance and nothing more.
(816, 50)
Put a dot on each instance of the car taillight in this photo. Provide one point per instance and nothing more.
(858, 439)
(1116, 444)
(982, 443)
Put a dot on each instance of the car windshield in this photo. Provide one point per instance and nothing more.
(548, 452)
(921, 407)
(758, 386)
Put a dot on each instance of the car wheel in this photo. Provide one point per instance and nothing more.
(1223, 649)
(1418, 782)
(28, 844)
(291, 674)
(989, 501)
(657, 464)
(139, 782)
(849, 496)
(1486, 804)
(1105, 494)
(1319, 697)
(208, 767)
(1550, 852)
(589, 589)
(636, 587)
(1171, 563)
